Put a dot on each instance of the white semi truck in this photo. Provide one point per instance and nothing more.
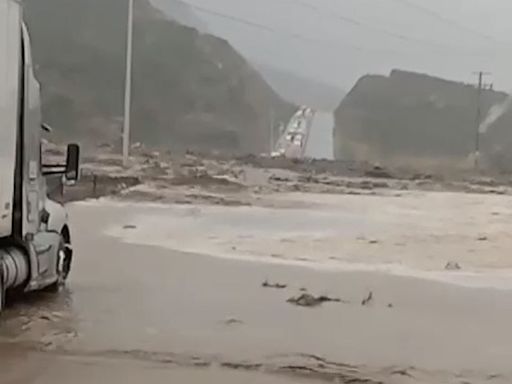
(35, 240)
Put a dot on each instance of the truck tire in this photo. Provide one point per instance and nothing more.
(62, 267)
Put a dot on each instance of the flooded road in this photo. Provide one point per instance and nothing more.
(135, 311)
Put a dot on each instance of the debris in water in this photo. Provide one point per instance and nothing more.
(452, 266)
(390, 305)
(266, 284)
(482, 238)
(373, 241)
(366, 301)
(129, 226)
(308, 300)
(233, 321)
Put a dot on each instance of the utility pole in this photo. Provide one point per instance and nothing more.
(128, 85)
(272, 133)
(478, 120)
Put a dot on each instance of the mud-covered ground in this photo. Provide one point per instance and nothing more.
(225, 272)
(191, 178)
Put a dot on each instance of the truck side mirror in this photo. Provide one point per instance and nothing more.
(73, 162)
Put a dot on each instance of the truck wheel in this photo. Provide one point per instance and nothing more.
(62, 268)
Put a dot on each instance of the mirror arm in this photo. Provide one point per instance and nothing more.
(56, 169)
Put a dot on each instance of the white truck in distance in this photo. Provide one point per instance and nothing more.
(35, 240)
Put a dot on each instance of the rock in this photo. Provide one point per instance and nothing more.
(482, 238)
(373, 241)
(452, 266)
(378, 172)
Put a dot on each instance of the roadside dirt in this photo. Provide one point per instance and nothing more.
(249, 180)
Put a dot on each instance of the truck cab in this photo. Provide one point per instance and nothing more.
(35, 238)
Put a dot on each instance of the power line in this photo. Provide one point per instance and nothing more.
(309, 6)
(361, 24)
(445, 20)
(266, 28)
(352, 21)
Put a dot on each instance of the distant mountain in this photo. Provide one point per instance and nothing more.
(302, 90)
(181, 12)
(190, 90)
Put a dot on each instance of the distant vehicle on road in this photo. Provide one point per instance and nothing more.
(294, 140)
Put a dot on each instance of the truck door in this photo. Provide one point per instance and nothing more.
(45, 243)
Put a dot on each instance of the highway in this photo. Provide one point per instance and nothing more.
(308, 134)
(294, 140)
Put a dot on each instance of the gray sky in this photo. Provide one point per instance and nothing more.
(456, 38)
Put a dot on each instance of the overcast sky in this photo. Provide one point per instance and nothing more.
(344, 39)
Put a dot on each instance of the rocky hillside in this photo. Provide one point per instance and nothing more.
(408, 117)
(181, 12)
(190, 90)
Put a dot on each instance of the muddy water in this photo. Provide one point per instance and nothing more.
(151, 309)
(416, 233)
